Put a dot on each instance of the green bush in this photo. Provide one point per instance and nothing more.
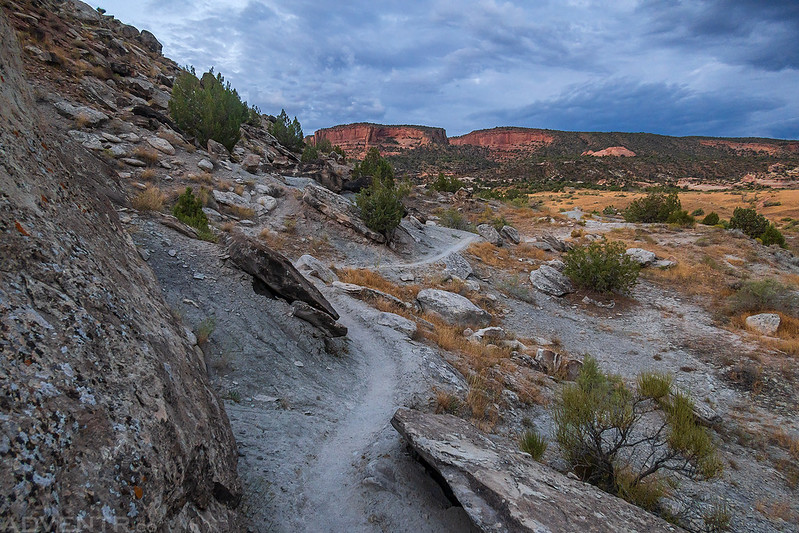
(609, 210)
(533, 443)
(711, 219)
(208, 108)
(625, 440)
(446, 183)
(189, 210)
(452, 218)
(288, 133)
(310, 153)
(772, 236)
(681, 217)
(374, 166)
(381, 203)
(656, 207)
(603, 267)
(698, 212)
(763, 295)
(749, 221)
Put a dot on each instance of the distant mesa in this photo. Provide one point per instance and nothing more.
(744, 146)
(506, 140)
(356, 139)
(619, 151)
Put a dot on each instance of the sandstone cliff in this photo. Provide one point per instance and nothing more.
(108, 418)
(356, 139)
(506, 141)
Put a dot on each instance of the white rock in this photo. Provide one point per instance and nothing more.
(549, 281)
(162, 145)
(641, 256)
(206, 165)
(764, 323)
(452, 307)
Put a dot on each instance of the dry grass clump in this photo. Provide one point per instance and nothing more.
(272, 239)
(203, 177)
(447, 402)
(506, 257)
(777, 510)
(148, 155)
(373, 280)
(241, 212)
(150, 199)
(148, 174)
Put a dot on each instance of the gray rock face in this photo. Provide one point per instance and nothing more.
(490, 234)
(764, 323)
(505, 490)
(510, 234)
(150, 42)
(251, 163)
(308, 265)
(162, 145)
(339, 209)
(549, 281)
(206, 165)
(458, 266)
(217, 150)
(108, 413)
(276, 273)
(398, 323)
(318, 318)
(453, 307)
(82, 113)
(368, 294)
(641, 256)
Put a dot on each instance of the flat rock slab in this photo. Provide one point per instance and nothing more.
(764, 323)
(453, 307)
(549, 281)
(504, 490)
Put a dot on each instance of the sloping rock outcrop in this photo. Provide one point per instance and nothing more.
(339, 209)
(109, 421)
(276, 273)
(356, 139)
(549, 281)
(503, 489)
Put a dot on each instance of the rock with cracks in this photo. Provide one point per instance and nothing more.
(504, 490)
(549, 281)
(318, 318)
(490, 234)
(276, 273)
(339, 209)
(453, 308)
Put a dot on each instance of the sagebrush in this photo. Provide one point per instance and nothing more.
(603, 267)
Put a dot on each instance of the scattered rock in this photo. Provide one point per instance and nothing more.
(308, 265)
(663, 264)
(456, 265)
(206, 165)
(318, 318)
(557, 264)
(251, 163)
(162, 145)
(84, 114)
(550, 361)
(150, 42)
(490, 234)
(549, 281)
(570, 370)
(217, 149)
(552, 244)
(641, 256)
(511, 234)
(503, 489)
(339, 209)
(453, 307)
(133, 162)
(398, 323)
(267, 202)
(590, 301)
(407, 277)
(490, 333)
(764, 323)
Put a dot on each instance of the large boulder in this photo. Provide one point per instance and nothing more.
(503, 489)
(549, 281)
(764, 323)
(510, 234)
(311, 266)
(490, 234)
(109, 420)
(457, 265)
(149, 41)
(641, 256)
(275, 272)
(81, 113)
(453, 307)
(339, 209)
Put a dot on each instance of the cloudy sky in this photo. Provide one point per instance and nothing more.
(714, 67)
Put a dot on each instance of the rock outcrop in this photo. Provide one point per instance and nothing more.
(453, 307)
(339, 209)
(504, 490)
(618, 151)
(109, 420)
(550, 281)
(356, 139)
(506, 141)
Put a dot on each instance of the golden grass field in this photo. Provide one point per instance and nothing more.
(774, 204)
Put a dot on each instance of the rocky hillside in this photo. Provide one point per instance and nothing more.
(356, 139)
(108, 417)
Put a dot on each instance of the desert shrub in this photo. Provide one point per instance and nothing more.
(763, 295)
(772, 236)
(627, 440)
(680, 217)
(711, 219)
(150, 199)
(189, 210)
(374, 166)
(287, 132)
(488, 217)
(749, 221)
(533, 443)
(656, 207)
(609, 210)
(452, 218)
(698, 212)
(204, 330)
(381, 205)
(446, 183)
(310, 153)
(603, 267)
(208, 108)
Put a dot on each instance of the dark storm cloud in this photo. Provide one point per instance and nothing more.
(719, 67)
(624, 105)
